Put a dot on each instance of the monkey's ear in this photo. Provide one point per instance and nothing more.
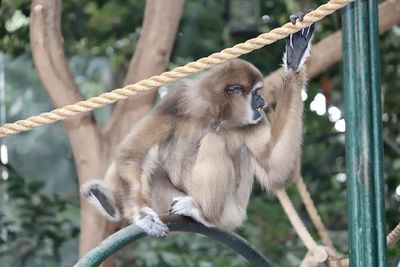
(234, 89)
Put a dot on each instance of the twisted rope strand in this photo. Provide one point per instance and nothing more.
(294, 218)
(173, 75)
(313, 212)
(393, 236)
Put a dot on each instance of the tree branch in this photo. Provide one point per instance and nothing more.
(161, 20)
(51, 64)
(329, 50)
(48, 53)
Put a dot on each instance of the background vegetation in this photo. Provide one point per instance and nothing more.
(39, 203)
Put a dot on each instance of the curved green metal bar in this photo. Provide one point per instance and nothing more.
(132, 233)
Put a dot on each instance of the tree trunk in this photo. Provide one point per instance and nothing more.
(84, 136)
(161, 20)
(93, 148)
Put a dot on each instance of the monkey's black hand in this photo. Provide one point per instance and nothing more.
(297, 43)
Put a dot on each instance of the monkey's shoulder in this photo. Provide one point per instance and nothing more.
(175, 102)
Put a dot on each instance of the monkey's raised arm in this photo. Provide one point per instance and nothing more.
(277, 146)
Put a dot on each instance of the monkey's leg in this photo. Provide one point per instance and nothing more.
(135, 162)
(137, 208)
(137, 205)
(163, 191)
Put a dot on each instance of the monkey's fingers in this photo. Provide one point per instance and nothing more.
(309, 31)
(289, 51)
(298, 16)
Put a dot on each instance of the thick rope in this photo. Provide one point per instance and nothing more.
(295, 220)
(393, 236)
(312, 212)
(333, 259)
(316, 254)
(173, 75)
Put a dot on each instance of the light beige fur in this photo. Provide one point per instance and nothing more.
(197, 152)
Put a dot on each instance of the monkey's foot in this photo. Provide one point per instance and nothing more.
(297, 44)
(187, 207)
(152, 225)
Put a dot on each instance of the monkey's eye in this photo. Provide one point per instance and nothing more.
(234, 89)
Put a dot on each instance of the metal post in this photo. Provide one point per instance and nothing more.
(367, 246)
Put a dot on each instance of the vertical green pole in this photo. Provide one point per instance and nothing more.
(365, 194)
(352, 165)
(379, 186)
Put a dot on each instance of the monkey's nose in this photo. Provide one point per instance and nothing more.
(265, 104)
(261, 104)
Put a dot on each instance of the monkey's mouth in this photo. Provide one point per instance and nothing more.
(257, 113)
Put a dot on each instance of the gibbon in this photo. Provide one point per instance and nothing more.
(197, 152)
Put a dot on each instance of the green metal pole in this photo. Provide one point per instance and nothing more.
(363, 135)
(352, 164)
(377, 131)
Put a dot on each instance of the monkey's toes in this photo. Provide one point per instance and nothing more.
(153, 226)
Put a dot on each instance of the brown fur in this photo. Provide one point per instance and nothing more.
(197, 143)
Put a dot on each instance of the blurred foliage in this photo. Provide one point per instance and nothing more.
(100, 37)
(33, 225)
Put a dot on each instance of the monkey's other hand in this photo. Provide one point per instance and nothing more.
(153, 226)
(297, 44)
(186, 206)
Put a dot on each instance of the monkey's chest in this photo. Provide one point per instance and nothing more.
(180, 154)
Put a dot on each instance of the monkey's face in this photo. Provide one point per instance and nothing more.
(246, 104)
(233, 90)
